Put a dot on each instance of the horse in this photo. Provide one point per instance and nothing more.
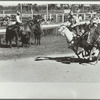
(16, 31)
(74, 41)
(11, 33)
(94, 37)
(36, 30)
(26, 33)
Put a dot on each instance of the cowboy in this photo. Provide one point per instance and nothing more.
(90, 28)
(74, 23)
(71, 18)
(18, 21)
(30, 20)
(91, 25)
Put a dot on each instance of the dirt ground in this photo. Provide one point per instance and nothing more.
(48, 62)
(49, 68)
(50, 44)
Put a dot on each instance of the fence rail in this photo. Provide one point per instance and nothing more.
(57, 15)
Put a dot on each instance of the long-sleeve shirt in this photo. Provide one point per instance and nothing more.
(18, 19)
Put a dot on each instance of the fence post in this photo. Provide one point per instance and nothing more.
(50, 16)
(62, 17)
(45, 18)
(32, 13)
(0, 40)
(56, 17)
(3, 13)
(84, 17)
(91, 15)
(21, 11)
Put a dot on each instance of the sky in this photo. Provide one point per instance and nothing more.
(7, 3)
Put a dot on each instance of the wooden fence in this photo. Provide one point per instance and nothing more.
(58, 16)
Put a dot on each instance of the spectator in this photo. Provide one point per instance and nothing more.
(80, 18)
(52, 20)
(48, 21)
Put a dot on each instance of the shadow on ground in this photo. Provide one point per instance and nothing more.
(7, 46)
(67, 60)
(13, 45)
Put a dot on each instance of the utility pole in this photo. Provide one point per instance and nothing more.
(31, 12)
(21, 11)
(3, 13)
(47, 11)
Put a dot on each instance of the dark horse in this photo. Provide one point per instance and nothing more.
(18, 31)
(94, 41)
(82, 42)
(11, 33)
(76, 41)
(95, 38)
(26, 33)
(36, 30)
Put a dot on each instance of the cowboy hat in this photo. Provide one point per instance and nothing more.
(18, 12)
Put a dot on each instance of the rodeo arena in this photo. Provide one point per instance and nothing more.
(50, 45)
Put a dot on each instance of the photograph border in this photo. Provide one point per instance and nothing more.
(30, 90)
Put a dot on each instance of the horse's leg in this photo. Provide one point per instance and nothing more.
(98, 47)
(76, 52)
(75, 49)
(22, 44)
(90, 56)
(98, 56)
(91, 52)
(81, 52)
(6, 41)
(29, 39)
(10, 42)
(35, 40)
(17, 43)
(7, 38)
(77, 30)
(17, 40)
(29, 43)
(39, 40)
(22, 41)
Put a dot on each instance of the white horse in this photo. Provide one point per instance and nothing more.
(66, 32)
(63, 30)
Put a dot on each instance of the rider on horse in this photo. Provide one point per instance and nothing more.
(74, 21)
(90, 29)
(18, 21)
